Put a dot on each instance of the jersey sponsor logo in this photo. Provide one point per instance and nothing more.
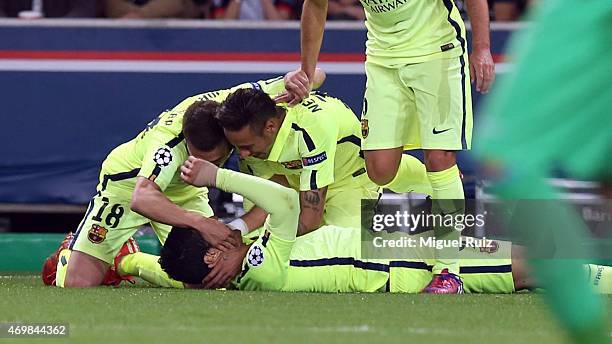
(365, 128)
(256, 256)
(97, 234)
(436, 132)
(382, 6)
(163, 157)
(313, 160)
(292, 165)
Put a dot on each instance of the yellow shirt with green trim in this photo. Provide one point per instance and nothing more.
(317, 145)
(160, 149)
(266, 262)
(401, 32)
(326, 260)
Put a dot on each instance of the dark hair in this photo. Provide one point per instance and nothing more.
(182, 256)
(200, 126)
(244, 107)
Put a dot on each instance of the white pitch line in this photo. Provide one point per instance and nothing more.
(222, 67)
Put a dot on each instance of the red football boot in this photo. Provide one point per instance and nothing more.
(444, 283)
(50, 266)
(112, 275)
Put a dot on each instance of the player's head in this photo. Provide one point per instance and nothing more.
(204, 135)
(250, 120)
(183, 255)
(188, 258)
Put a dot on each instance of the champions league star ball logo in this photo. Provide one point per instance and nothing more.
(256, 256)
(163, 157)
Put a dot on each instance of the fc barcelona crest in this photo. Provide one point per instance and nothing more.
(365, 128)
(97, 234)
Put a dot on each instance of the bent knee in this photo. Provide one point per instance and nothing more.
(439, 160)
(381, 175)
(382, 165)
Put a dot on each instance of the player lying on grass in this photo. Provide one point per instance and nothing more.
(140, 184)
(325, 260)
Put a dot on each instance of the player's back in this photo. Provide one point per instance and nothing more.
(162, 141)
(328, 260)
(326, 111)
(165, 131)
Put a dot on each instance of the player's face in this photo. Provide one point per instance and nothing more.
(250, 142)
(217, 156)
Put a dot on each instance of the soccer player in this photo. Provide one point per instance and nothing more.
(537, 121)
(140, 184)
(327, 260)
(417, 96)
(112, 276)
(313, 147)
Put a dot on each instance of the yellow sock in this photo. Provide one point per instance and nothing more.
(62, 267)
(448, 198)
(411, 177)
(600, 277)
(146, 266)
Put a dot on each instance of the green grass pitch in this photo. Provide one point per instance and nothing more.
(142, 314)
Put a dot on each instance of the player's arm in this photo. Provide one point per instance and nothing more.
(278, 201)
(314, 14)
(317, 151)
(161, 162)
(482, 67)
(276, 87)
(256, 216)
(149, 201)
(312, 204)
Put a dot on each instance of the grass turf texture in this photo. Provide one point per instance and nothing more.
(153, 315)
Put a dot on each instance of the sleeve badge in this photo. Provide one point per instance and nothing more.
(163, 157)
(255, 256)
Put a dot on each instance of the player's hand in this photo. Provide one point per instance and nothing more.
(482, 69)
(217, 234)
(199, 172)
(225, 270)
(297, 88)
